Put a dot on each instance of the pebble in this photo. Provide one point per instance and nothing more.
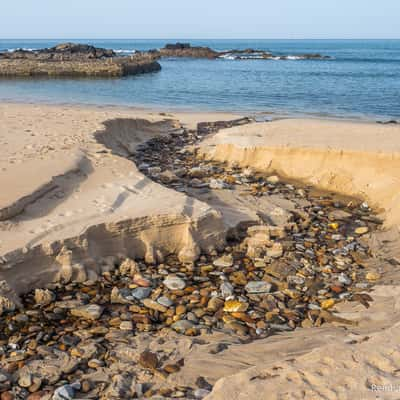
(201, 393)
(361, 230)
(372, 276)
(141, 293)
(148, 360)
(235, 306)
(224, 261)
(174, 283)
(182, 326)
(165, 301)
(149, 303)
(44, 297)
(90, 311)
(65, 392)
(258, 287)
(126, 326)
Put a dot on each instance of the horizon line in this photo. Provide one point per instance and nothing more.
(194, 38)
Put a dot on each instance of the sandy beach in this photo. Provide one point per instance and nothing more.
(76, 193)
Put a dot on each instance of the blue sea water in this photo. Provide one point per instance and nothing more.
(362, 80)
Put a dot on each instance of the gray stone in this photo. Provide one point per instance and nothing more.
(182, 325)
(174, 283)
(141, 293)
(65, 392)
(89, 311)
(258, 287)
(165, 301)
(224, 261)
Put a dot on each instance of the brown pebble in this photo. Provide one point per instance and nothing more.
(7, 396)
(148, 360)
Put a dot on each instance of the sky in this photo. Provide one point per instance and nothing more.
(263, 19)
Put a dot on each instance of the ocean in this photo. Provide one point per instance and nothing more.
(360, 81)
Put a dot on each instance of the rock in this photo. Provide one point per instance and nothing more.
(165, 301)
(274, 179)
(126, 326)
(361, 230)
(226, 289)
(6, 305)
(153, 305)
(65, 392)
(235, 306)
(372, 276)
(201, 393)
(197, 172)
(148, 360)
(174, 283)
(215, 304)
(258, 287)
(25, 379)
(7, 396)
(168, 177)
(141, 293)
(182, 326)
(118, 296)
(79, 274)
(44, 297)
(89, 312)
(327, 304)
(140, 281)
(217, 184)
(275, 251)
(224, 261)
(42, 395)
(128, 267)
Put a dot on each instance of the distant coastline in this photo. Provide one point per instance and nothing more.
(359, 82)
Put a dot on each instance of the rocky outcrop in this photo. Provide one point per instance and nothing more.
(186, 50)
(70, 59)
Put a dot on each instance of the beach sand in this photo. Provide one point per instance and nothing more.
(65, 174)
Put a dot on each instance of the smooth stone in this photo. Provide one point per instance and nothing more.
(258, 287)
(141, 293)
(182, 326)
(224, 261)
(65, 392)
(273, 179)
(361, 230)
(90, 311)
(226, 289)
(235, 306)
(174, 283)
(275, 251)
(148, 359)
(44, 297)
(149, 303)
(165, 301)
(217, 184)
(201, 393)
(126, 326)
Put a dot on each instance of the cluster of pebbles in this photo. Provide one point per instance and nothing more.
(82, 339)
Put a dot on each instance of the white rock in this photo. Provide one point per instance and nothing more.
(44, 297)
(258, 287)
(174, 283)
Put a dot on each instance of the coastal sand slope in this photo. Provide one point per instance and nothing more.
(102, 197)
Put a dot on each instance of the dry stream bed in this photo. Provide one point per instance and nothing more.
(105, 339)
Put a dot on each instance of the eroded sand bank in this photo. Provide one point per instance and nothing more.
(104, 205)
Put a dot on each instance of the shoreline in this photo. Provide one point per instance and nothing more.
(193, 110)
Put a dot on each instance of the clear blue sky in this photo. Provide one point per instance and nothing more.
(200, 19)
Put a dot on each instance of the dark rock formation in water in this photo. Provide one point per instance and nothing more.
(186, 50)
(78, 60)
